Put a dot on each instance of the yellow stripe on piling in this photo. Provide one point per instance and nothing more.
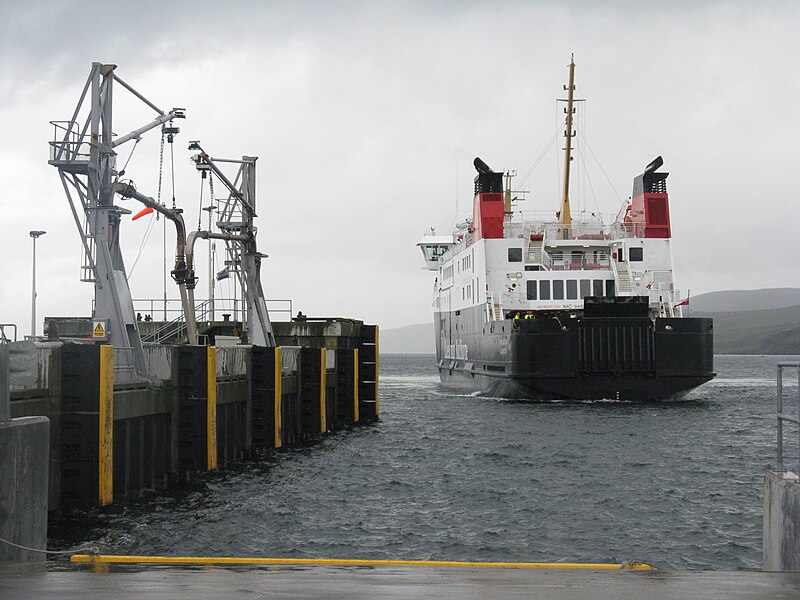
(323, 409)
(278, 395)
(105, 455)
(209, 560)
(356, 416)
(211, 412)
(377, 404)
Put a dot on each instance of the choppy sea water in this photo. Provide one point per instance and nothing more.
(460, 477)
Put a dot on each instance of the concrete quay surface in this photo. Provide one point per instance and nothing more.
(64, 581)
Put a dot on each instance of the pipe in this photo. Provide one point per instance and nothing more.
(180, 273)
(191, 280)
(631, 565)
(187, 301)
(205, 235)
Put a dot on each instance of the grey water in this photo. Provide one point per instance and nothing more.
(459, 477)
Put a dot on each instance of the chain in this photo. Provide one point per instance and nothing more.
(211, 199)
(211, 187)
(172, 163)
(160, 168)
(200, 211)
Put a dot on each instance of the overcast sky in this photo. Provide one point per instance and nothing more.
(366, 117)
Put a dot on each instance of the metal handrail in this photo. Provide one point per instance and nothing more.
(490, 305)
(586, 228)
(173, 310)
(203, 310)
(4, 339)
(157, 306)
(68, 144)
(177, 326)
(781, 416)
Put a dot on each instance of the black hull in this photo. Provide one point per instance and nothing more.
(616, 358)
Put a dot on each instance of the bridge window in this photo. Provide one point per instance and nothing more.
(434, 252)
(532, 290)
(586, 286)
(597, 287)
(558, 289)
(610, 289)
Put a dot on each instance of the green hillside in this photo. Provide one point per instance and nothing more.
(769, 325)
(741, 300)
(775, 331)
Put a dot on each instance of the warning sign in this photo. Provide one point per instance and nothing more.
(100, 331)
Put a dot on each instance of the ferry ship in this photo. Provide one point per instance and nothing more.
(543, 308)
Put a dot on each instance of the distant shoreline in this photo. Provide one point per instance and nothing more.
(746, 323)
(432, 354)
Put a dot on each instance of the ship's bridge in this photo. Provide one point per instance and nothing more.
(434, 246)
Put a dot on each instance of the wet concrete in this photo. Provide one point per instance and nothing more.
(781, 522)
(63, 581)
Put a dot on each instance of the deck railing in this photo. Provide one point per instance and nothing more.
(783, 417)
(585, 229)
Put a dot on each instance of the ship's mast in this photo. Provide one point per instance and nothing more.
(507, 192)
(565, 215)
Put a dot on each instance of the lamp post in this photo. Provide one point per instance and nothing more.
(210, 210)
(34, 235)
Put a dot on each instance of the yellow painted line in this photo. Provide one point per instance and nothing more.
(211, 560)
(323, 409)
(105, 460)
(377, 404)
(211, 412)
(356, 382)
(278, 395)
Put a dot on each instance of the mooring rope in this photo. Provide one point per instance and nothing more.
(92, 550)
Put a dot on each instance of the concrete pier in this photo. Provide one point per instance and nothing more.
(203, 407)
(23, 487)
(782, 489)
(26, 582)
(781, 522)
(24, 450)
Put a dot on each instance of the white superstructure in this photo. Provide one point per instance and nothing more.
(541, 265)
